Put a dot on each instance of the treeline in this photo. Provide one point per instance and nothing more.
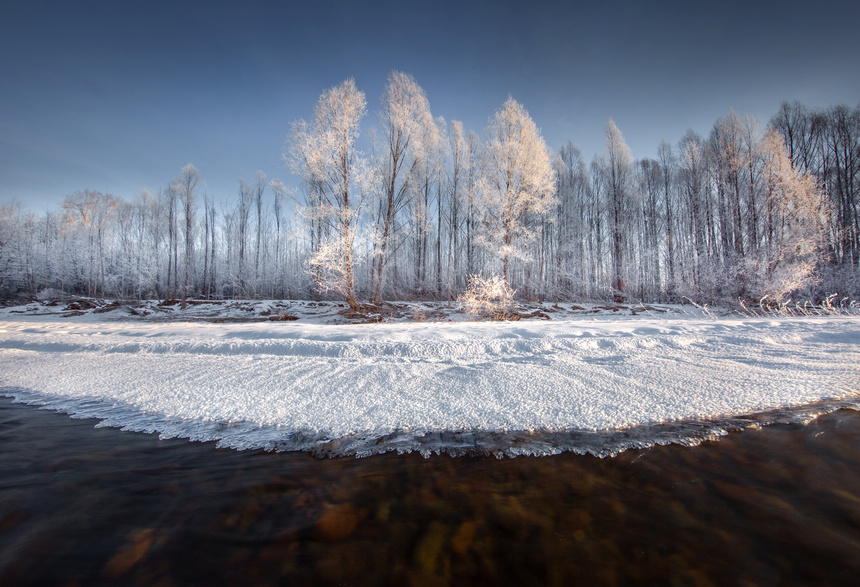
(748, 211)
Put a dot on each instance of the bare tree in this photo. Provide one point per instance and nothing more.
(89, 211)
(668, 165)
(616, 167)
(259, 187)
(185, 186)
(404, 106)
(459, 153)
(323, 153)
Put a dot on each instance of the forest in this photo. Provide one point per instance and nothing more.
(753, 211)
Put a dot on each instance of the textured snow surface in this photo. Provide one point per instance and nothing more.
(528, 387)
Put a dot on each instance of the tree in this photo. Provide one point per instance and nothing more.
(323, 153)
(616, 167)
(404, 106)
(517, 181)
(259, 187)
(89, 212)
(692, 179)
(426, 182)
(667, 183)
(185, 185)
(280, 192)
(459, 153)
(795, 248)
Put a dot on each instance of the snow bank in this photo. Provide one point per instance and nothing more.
(596, 386)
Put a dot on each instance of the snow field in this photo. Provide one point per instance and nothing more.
(266, 385)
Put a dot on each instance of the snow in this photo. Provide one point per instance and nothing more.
(597, 383)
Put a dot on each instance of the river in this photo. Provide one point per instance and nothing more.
(89, 506)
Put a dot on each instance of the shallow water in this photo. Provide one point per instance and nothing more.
(79, 505)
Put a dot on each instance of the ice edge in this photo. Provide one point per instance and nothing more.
(498, 443)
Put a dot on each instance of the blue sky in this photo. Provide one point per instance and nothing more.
(118, 95)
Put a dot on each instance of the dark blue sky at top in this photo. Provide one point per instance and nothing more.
(117, 96)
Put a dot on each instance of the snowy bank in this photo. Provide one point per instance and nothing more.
(595, 385)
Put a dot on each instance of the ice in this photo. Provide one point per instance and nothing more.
(594, 386)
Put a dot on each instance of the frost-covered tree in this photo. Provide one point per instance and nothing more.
(696, 234)
(517, 182)
(323, 154)
(9, 225)
(259, 188)
(616, 168)
(404, 109)
(795, 239)
(87, 215)
(456, 199)
(729, 217)
(186, 183)
(668, 168)
(575, 217)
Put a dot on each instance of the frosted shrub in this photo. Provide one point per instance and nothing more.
(489, 297)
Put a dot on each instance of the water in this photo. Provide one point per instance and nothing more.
(79, 505)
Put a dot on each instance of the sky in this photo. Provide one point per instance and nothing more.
(117, 96)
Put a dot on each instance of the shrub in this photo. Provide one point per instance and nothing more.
(488, 297)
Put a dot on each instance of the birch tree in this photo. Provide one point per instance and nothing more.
(404, 107)
(323, 153)
(186, 184)
(517, 180)
(616, 167)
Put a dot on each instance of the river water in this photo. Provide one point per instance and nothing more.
(87, 506)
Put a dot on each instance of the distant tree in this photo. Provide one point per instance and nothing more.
(186, 183)
(698, 226)
(459, 154)
(517, 181)
(278, 208)
(574, 215)
(88, 212)
(668, 164)
(616, 168)
(8, 226)
(425, 186)
(649, 176)
(259, 188)
(473, 175)
(242, 214)
(323, 153)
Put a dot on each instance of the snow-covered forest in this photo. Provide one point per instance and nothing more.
(420, 204)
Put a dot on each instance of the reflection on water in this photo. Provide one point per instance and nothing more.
(99, 506)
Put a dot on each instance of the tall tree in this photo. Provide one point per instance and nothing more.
(404, 107)
(259, 187)
(517, 180)
(323, 153)
(668, 165)
(617, 169)
(89, 212)
(186, 184)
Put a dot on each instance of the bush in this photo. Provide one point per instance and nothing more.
(488, 297)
